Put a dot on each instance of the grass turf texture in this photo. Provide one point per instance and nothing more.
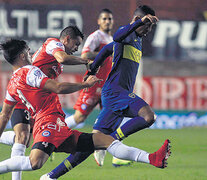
(187, 162)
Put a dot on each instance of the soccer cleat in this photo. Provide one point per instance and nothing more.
(159, 158)
(119, 162)
(99, 156)
(46, 177)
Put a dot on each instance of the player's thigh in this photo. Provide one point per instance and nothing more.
(38, 158)
(20, 116)
(21, 125)
(107, 121)
(134, 107)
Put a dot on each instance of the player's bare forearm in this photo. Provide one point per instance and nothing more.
(90, 55)
(64, 58)
(67, 88)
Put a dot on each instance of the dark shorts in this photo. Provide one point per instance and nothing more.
(84, 144)
(108, 120)
(20, 116)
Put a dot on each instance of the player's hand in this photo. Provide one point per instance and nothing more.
(85, 77)
(135, 18)
(149, 18)
(90, 81)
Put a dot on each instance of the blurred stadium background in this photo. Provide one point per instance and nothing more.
(174, 66)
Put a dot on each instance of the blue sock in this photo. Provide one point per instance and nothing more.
(69, 163)
(133, 125)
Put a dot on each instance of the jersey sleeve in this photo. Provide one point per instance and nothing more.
(102, 55)
(124, 31)
(36, 78)
(91, 43)
(54, 46)
(9, 99)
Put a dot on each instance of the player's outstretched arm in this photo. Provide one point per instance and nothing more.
(5, 115)
(89, 55)
(67, 88)
(63, 58)
(106, 51)
(124, 31)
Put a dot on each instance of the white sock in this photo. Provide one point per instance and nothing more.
(7, 137)
(70, 121)
(121, 151)
(124, 121)
(16, 163)
(17, 150)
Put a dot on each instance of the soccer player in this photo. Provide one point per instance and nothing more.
(49, 58)
(93, 44)
(32, 87)
(88, 100)
(118, 98)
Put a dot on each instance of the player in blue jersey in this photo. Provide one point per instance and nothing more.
(118, 98)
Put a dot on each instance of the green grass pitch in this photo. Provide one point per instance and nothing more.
(187, 162)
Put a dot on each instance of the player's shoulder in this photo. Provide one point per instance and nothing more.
(95, 34)
(53, 41)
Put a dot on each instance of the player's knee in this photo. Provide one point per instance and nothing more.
(36, 164)
(150, 118)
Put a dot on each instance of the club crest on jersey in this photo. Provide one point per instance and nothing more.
(46, 133)
(59, 44)
(132, 95)
(83, 106)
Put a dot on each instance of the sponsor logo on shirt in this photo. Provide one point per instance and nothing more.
(37, 73)
(46, 133)
(59, 44)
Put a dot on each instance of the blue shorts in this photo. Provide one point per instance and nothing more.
(120, 100)
(109, 120)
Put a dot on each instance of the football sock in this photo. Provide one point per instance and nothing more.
(7, 137)
(17, 150)
(131, 126)
(121, 151)
(70, 121)
(69, 163)
(16, 163)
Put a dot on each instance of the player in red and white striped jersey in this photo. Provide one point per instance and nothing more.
(50, 58)
(33, 88)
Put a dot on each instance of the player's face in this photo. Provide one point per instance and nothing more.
(105, 22)
(72, 44)
(144, 30)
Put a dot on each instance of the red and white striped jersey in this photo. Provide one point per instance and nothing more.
(25, 87)
(95, 42)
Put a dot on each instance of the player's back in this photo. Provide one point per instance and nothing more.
(45, 60)
(26, 86)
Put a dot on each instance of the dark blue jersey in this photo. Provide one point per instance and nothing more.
(127, 53)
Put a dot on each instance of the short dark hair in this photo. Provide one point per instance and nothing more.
(73, 31)
(105, 10)
(144, 9)
(12, 49)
